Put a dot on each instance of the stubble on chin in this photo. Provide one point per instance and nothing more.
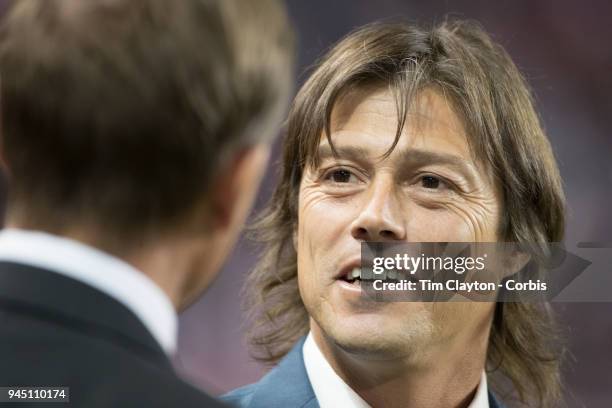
(397, 337)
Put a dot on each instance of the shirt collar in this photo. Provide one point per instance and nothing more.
(100, 270)
(481, 398)
(332, 391)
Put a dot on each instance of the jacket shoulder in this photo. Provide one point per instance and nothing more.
(100, 371)
(240, 397)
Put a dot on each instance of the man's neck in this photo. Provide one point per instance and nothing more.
(440, 376)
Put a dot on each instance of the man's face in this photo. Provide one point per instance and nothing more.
(429, 189)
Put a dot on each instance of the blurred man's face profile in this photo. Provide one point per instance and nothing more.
(429, 189)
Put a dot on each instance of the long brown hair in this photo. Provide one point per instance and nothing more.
(461, 61)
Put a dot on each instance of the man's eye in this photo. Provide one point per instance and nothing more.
(340, 176)
(430, 182)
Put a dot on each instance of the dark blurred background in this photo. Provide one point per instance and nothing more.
(564, 48)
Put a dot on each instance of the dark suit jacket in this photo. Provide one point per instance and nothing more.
(288, 386)
(56, 331)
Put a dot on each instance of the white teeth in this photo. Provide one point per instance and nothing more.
(355, 273)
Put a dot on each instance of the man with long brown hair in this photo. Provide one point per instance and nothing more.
(403, 134)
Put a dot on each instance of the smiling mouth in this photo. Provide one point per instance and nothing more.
(354, 277)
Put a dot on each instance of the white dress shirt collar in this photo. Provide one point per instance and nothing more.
(99, 270)
(331, 391)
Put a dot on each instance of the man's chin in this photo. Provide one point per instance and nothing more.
(379, 336)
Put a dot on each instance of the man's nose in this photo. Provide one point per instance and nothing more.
(381, 216)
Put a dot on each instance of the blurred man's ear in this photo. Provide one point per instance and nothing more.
(233, 192)
(227, 206)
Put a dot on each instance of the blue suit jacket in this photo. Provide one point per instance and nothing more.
(288, 386)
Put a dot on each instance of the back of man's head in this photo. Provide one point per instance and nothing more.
(120, 114)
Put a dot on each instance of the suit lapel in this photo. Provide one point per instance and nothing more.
(493, 402)
(64, 301)
(287, 385)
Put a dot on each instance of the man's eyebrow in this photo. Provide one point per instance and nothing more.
(418, 157)
(356, 153)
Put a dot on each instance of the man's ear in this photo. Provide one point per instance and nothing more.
(233, 190)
